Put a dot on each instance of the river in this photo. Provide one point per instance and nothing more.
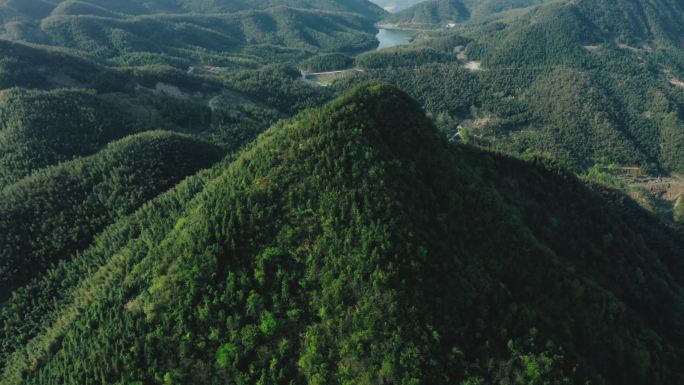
(393, 37)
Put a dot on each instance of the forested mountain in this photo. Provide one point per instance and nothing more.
(560, 30)
(68, 165)
(38, 9)
(396, 5)
(69, 124)
(629, 21)
(638, 21)
(432, 13)
(249, 192)
(225, 33)
(29, 66)
(583, 82)
(58, 210)
(355, 236)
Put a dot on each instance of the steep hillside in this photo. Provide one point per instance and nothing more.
(353, 244)
(23, 65)
(557, 79)
(57, 211)
(39, 129)
(432, 12)
(567, 32)
(638, 22)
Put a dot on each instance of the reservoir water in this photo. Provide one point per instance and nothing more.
(393, 37)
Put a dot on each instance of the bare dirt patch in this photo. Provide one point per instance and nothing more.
(677, 82)
(659, 195)
(672, 78)
(473, 65)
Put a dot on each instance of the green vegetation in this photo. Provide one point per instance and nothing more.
(327, 62)
(38, 129)
(58, 210)
(605, 173)
(552, 35)
(310, 259)
(440, 13)
(396, 5)
(431, 12)
(548, 82)
(33, 67)
(214, 39)
(279, 87)
(177, 205)
(121, 8)
(678, 214)
(636, 22)
(403, 57)
(238, 34)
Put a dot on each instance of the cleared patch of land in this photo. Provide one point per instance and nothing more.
(677, 82)
(325, 78)
(472, 65)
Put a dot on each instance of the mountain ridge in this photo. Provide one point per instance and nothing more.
(354, 235)
(440, 13)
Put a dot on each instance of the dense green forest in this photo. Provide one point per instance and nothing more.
(432, 12)
(327, 62)
(310, 259)
(183, 200)
(552, 79)
(59, 209)
(43, 128)
(439, 13)
(403, 57)
(16, 9)
(395, 5)
(221, 32)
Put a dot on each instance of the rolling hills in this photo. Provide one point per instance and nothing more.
(353, 244)
(192, 35)
(179, 204)
(36, 9)
(201, 31)
(439, 13)
(429, 13)
(396, 5)
(70, 124)
(58, 210)
(565, 79)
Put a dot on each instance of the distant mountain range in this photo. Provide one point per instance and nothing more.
(433, 13)
(169, 30)
(396, 5)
